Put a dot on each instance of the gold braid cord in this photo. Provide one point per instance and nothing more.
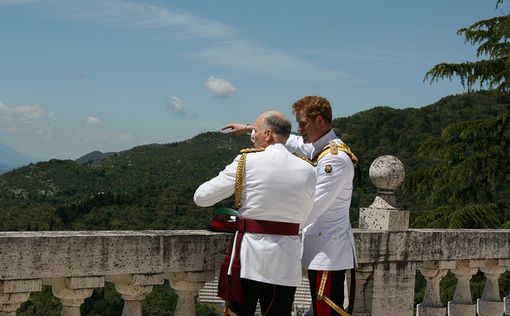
(333, 148)
(241, 167)
(322, 297)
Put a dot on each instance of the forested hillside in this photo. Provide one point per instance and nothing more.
(147, 187)
(151, 186)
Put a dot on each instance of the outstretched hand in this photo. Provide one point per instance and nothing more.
(236, 128)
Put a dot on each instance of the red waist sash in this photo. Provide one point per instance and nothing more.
(229, 286)
(259, 226)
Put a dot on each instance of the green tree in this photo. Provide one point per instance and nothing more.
(469, 167)
(493, 39)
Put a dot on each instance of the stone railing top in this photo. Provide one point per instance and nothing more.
(31, 255)
(26, 255)
(432, 244)
(115, 233)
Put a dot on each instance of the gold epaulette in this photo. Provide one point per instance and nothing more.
(333, 148)
(251, 150)
(304, 158)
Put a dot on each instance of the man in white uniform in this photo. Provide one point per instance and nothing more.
(328, 240)
(277, 196)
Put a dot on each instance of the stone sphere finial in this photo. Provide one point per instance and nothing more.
(387, 173)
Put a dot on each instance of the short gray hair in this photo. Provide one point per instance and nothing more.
(278, 124)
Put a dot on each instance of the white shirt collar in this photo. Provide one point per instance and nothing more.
(322, 142)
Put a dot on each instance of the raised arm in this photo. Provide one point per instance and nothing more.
(237, 128)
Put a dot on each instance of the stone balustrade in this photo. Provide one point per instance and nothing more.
(74, 263)
(388, 255)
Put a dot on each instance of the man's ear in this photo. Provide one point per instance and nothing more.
(319, 120)
(270, 135)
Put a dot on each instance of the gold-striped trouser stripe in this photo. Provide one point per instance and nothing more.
(229, 312)
(322, 297)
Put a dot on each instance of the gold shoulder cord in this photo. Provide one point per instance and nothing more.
(241, 167)
(251, 150)
(321, 297)
(334, 150)
(343, 147)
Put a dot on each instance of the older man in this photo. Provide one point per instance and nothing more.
(276, 196)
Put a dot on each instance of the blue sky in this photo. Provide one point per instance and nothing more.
(78, 76)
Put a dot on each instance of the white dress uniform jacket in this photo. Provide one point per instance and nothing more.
(278, 186)
(328, 240)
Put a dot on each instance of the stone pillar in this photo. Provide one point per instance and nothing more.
(462, 304)
(363, 273)
(73, 291)
(133, 288)
(490, 303)
(393, 289)
(387, 174)
(15, 292)
(433, 271)
(186, 286)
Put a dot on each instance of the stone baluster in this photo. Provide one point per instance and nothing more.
(363, 273)
(133, 288)
(15, 292)
(186, 286)
(73, 291)
(462, 304)
(433, 272)
(490, 303)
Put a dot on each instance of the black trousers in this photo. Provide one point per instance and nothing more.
(275, 300)
(334, 290)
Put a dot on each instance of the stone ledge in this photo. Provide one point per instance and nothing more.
(37, 255)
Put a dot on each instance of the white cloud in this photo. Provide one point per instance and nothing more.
(145, 16)
(176, 105)
(126, 137)
(225, 47)
(45, 132)
(244, 54)
(93, 121)
(16, 2)
(30, 119)
(220, 87)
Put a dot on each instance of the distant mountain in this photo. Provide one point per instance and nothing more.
(10, 158)
(6, 167)
(95, 157)
(140, 168)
